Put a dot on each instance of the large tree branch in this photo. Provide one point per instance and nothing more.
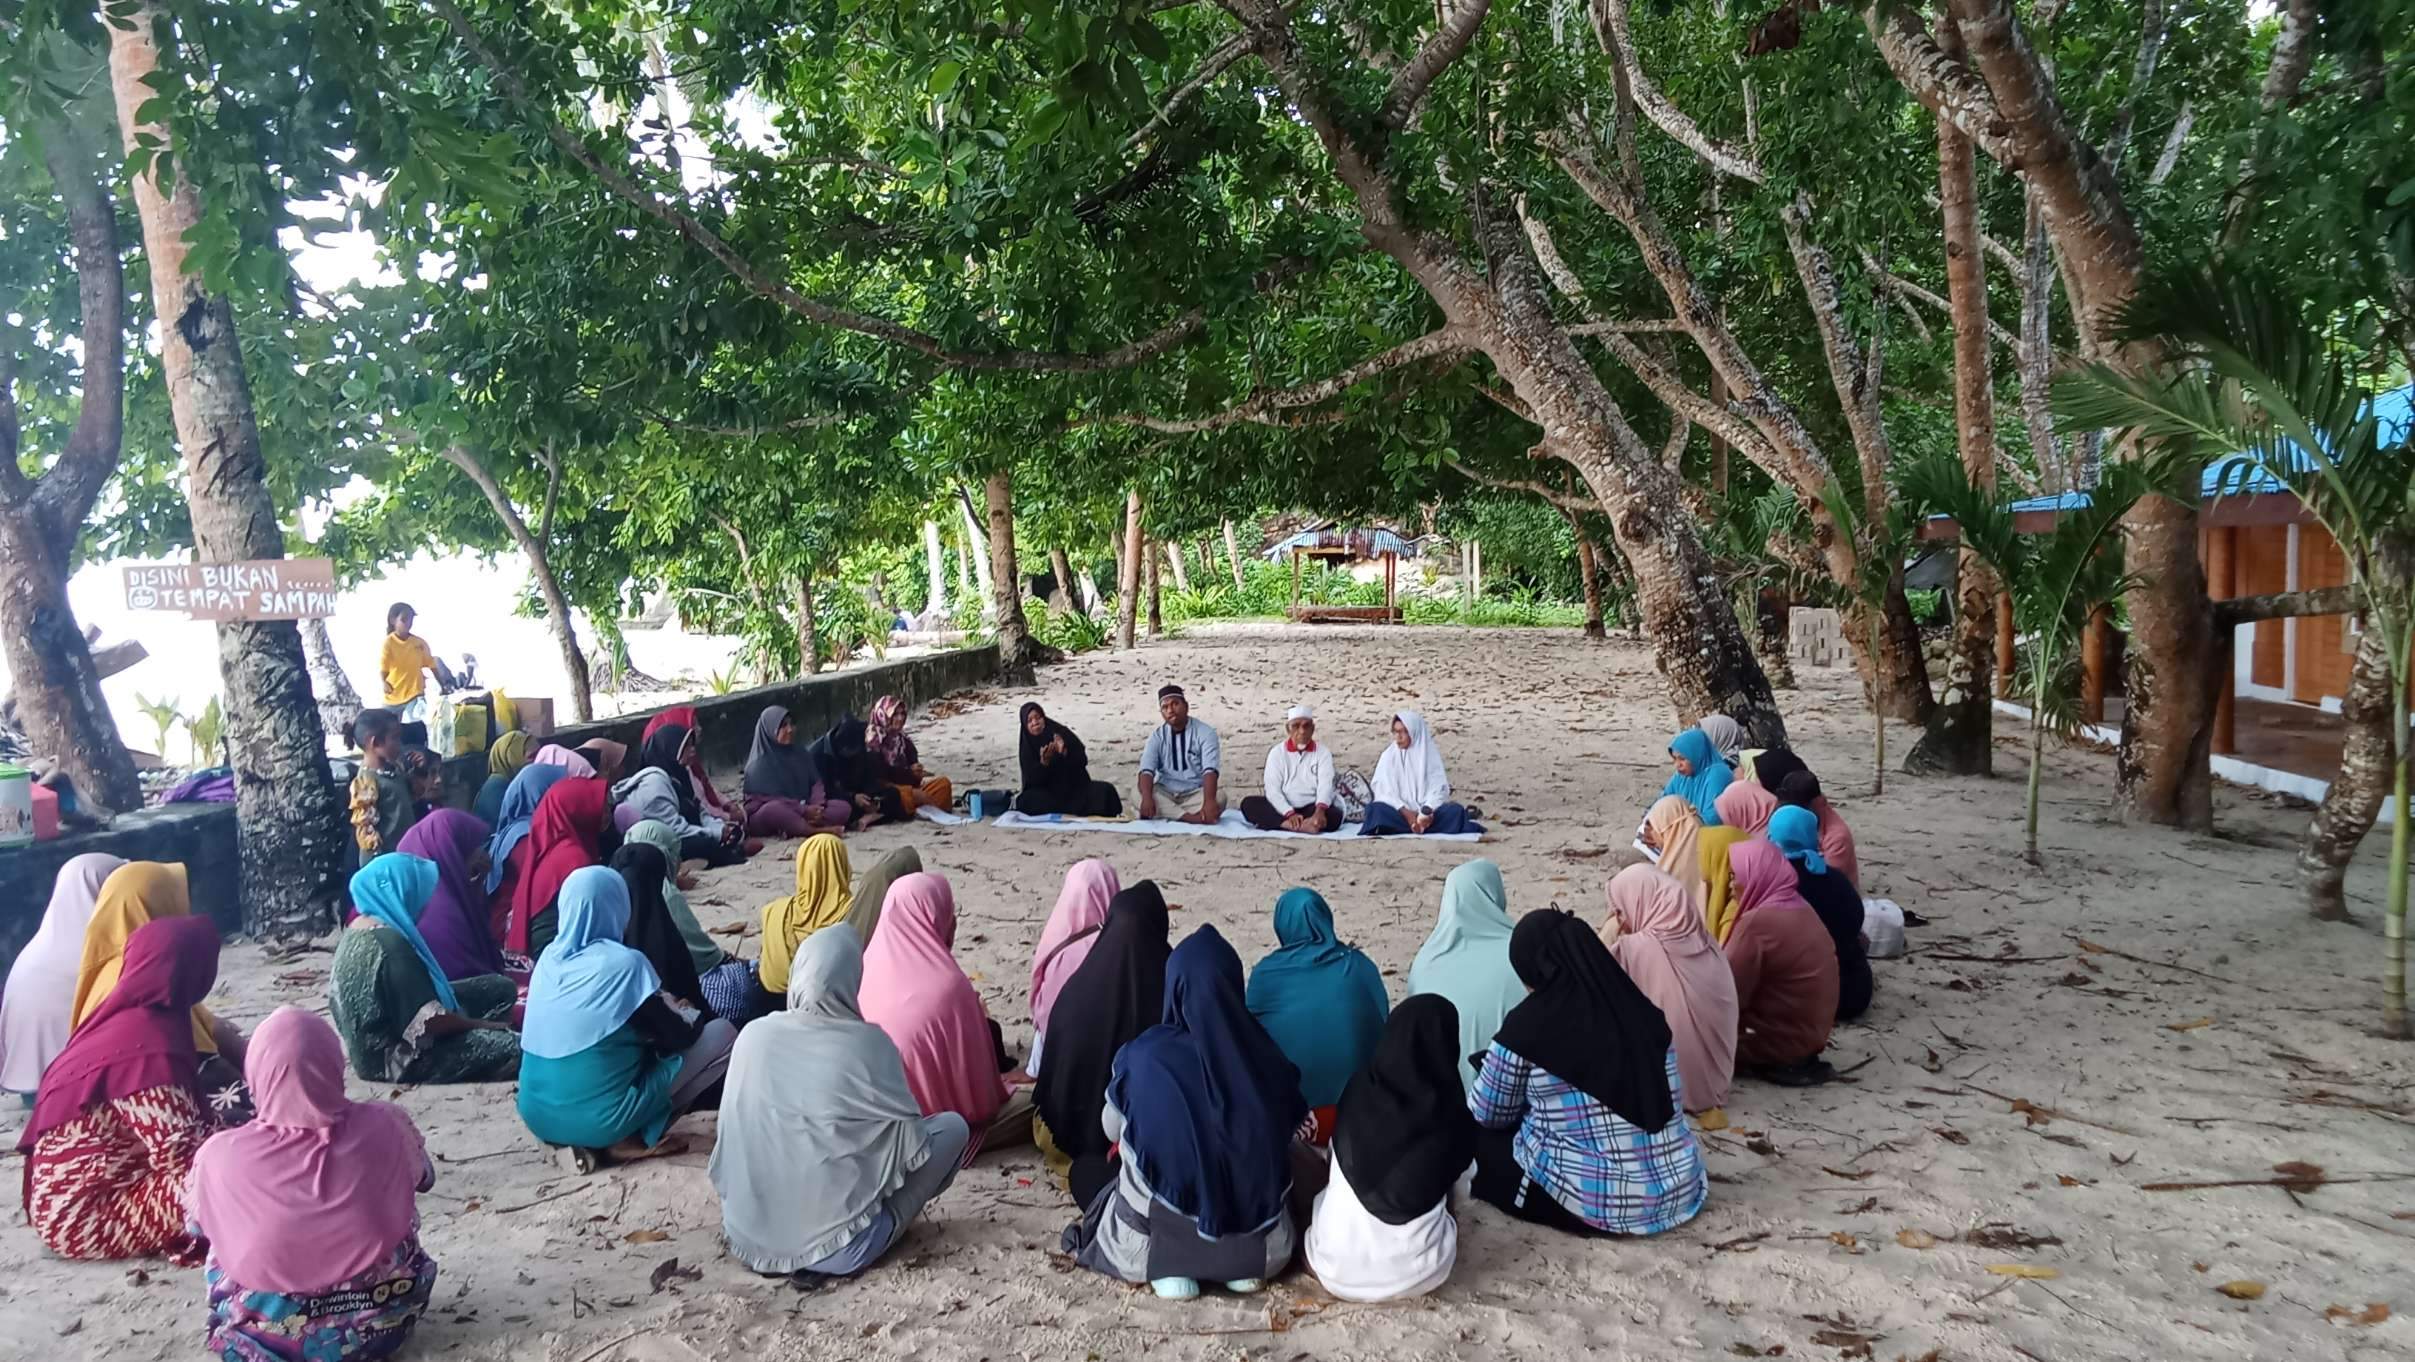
(1948, 88)
(1610, 27)
(1216, 63)
(1550, 494)
(2152, 26)
(1268, 407)
(1855, 381)
(2284, 72)
(1898, 284)
(67, 492)
(1450, 38)
(1131, 353)
(2181, 124)
(2330, 600)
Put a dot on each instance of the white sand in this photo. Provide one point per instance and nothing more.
(1560, 742)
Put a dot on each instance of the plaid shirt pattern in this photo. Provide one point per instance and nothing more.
(1607, 1172)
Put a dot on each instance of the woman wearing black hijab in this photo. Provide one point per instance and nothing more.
(847, 773)
(652, 932)
(1577, 1096)
(1383, 1228)
(1118, 992)
(1056, 770)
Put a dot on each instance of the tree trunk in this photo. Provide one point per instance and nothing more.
(291, 833)
(809, 648)
(1157, 612)
(1060, 567)
(935, 556)
(1232, 552)
(1086, 593)
(1959, 738)
(540, 564)
(1127, 572)
(1182, 572)
(1896, 681)
(1773, 640)
(339, 703)
(1590, 571)
(977, 548)
(1017, 649)
(964, 568)
(2354, 799)
(57, 688)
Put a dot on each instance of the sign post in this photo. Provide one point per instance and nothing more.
(262, 589)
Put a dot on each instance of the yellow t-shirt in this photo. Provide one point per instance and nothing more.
(402, 662)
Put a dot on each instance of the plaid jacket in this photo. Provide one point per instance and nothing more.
(1606, 1172)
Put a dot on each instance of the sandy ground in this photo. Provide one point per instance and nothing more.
(2146, 1008)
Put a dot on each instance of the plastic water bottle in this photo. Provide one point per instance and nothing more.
(973, 805)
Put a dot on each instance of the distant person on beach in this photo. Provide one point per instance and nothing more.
(1056, 770)
(1412, 790)
(783, 787)
(707, 793)
(382, 805)
(849, 772)
(896, 762)
(1785, 968)
(1299, 781)
(1180, 764)
(404, 660)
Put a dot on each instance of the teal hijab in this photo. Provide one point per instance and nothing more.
(1796, 830)
(395, 889)
(1322, 1001)
(1711, 774)
(1467, 958)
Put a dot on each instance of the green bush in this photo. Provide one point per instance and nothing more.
(1072, 632)
(1928, 607)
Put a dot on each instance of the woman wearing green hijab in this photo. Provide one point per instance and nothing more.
(863, 910)
(1322, 1001)
(1467, 959)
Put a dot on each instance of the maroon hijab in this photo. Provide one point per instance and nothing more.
(141, 1035)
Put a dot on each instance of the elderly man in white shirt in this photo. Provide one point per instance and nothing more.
(1299, 781)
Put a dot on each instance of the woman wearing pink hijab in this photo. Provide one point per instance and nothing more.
(1660, 942)
(311, 1210)
(1072, 929)
(1785, 970)
(1746, 806)
(915, 991)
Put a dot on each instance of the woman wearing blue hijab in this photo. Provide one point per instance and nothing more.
(1204, 1107)
(1796, 830)
(1701, 775)
(606, 1061)
(1322, 1001)
(511, 820)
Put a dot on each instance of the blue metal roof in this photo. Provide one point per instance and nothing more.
(1367, 543)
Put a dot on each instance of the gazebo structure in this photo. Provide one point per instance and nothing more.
(1338, 545)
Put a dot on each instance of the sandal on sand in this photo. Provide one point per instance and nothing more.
(805, 1280)
(575, 1159)
(1175, 1288)
(1810, 1073)
(1246, 1286)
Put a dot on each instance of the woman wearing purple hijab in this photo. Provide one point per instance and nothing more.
(455, 921)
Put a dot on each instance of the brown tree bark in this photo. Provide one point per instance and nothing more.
(1960, 732)
(57, 685)
(534, 545)
(809, 649)
(292, 837)
(1157, 606)
(1232, 552)
(1590, 570)
(2355, 797)
(1127, 574)
(1018, 651)
(339, 703)
(1773, 640)
(1060, 567)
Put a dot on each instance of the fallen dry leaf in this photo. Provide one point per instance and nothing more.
(2008, 1237)
(1863, 1175)
(1915, 1238)
(2300, 1177)
(2366, 1318)
(2069, 1181)
(2195, 1024)
(1845, 1241)
(644, 1237)
(2031, 1271)
(2242, 1290)
(1952, 1136)
(1845, 1341)
(1714, 1119)
(2089, 946)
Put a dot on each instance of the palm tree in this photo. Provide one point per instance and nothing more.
(2278, 378)
(2057, 579)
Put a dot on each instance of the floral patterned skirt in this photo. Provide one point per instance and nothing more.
(369, 1316)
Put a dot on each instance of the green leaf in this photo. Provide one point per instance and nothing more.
(1151, 42)
(944, 77)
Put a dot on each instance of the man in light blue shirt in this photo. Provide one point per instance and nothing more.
(1179, 764)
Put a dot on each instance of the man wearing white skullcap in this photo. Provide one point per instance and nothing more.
(1299, 781)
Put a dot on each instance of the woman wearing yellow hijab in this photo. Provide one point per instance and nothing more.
(505, 759)
(821, 901)
(1718, 898)
(135, 893)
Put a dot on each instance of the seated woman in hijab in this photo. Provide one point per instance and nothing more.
(455, 923)
(1783, 774)
(915, 991)
(707, 794)
(506, 758)
(1204, 1108)
(1412, 791)
(823, 1156)
(1746, 807)
(1726, 735)
(872, 889)
(784, 790)
(1785, 969)
(119, 1117)
(402, 1019)
(554, 754)
(1579, 1096)
(660, 789)
(1796, 832)
(1322, 1001)
(1658, 939)
(896, 762)
(512, 822)
(1072, 929)
(37, 1006)
(1701, 775)
(135, 894)
(1383, 1228)
(728, 982)
(565, 835)
(1117, 992)
(1056, 770)
(1466, 959)
(820, 901)
(311, 1210)
(850, 772)
(609, 1059)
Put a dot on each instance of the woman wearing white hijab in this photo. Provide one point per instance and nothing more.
(823, 1156)
(1412, 792)
(36, 1014)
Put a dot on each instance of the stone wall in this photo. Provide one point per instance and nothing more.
(1815, 638)
(200, 835)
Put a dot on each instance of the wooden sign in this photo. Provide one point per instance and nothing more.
(268, 589)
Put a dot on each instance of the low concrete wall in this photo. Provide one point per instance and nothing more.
(200, 835)
(728, 721)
